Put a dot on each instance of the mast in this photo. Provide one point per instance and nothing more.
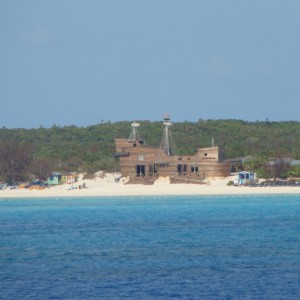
(134, 134)
(167, 145)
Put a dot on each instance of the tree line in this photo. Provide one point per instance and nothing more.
(26, 153)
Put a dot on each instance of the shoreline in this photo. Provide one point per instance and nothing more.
(102, 187)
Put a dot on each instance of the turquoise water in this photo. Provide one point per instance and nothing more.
(150, 248)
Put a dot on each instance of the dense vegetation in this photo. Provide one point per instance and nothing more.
(38, 152)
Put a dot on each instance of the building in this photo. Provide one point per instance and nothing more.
(55, 178)
(245, 177)
(145, 164)
(58, 178)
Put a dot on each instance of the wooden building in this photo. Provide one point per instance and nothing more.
(145, 164)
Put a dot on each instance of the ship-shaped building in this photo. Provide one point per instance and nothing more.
(144, 164)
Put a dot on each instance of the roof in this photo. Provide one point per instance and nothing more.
(246, 172)
(287, 160)
(56, 174)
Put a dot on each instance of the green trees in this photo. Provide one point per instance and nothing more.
(41, 168)
(14, 161)
(25, 152)
(294, 171)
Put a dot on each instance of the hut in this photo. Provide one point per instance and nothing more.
(144, 164)
(54, 179)
(245, 177)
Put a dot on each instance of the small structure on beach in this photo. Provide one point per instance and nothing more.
(55, 178)
(144, 164)
(245, 177)
(69, 178)
(58, 178)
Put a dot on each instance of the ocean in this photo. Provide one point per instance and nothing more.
(185, 247)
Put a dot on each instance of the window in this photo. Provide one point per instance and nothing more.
(181, 169)
(140, 170)
(194, 169)
(153, 169)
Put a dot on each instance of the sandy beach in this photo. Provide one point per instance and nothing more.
(108, 187)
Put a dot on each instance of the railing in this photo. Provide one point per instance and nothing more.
(187, 179)
(142, 179)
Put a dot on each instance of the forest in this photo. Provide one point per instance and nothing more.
(36, 153)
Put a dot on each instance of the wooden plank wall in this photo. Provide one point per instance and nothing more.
(210, 161)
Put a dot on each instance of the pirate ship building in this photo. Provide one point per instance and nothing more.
(144, 164)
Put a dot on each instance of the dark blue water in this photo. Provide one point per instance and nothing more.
(150, 248)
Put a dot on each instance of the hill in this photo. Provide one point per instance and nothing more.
(71, 148)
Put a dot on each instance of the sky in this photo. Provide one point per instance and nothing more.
(84, 62)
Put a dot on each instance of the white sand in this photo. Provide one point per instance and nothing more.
(108, 187)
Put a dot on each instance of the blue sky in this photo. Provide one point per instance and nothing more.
(71, 62)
